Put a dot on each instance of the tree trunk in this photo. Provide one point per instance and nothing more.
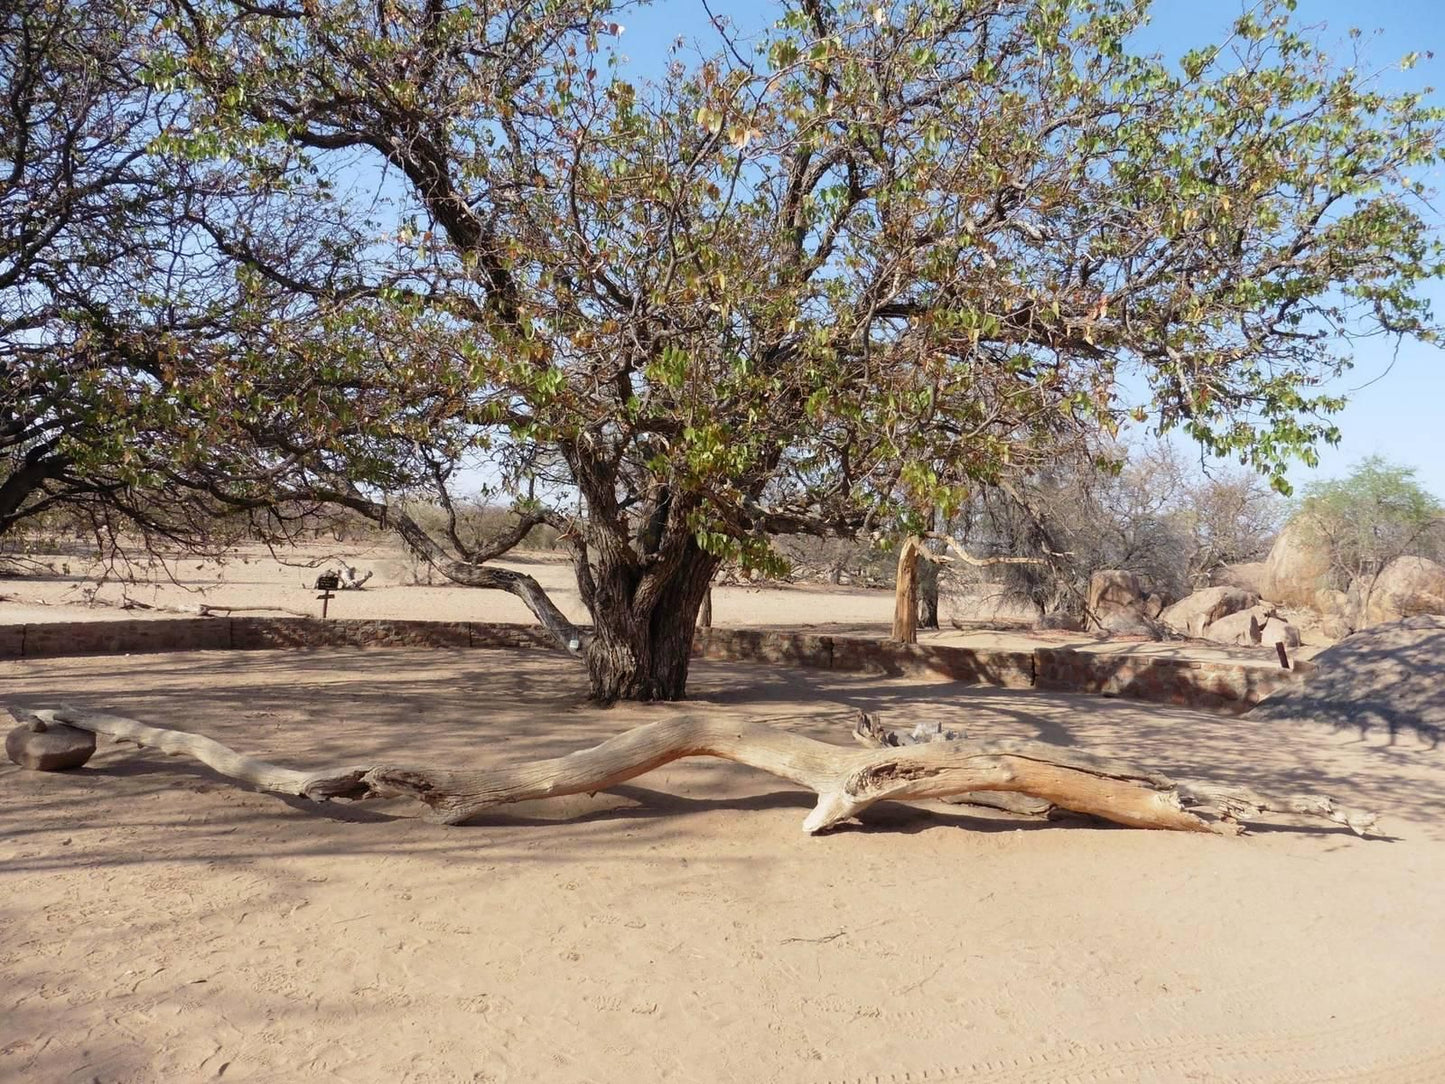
(905, 601)
(928, 595)
(929, 573)
(641, 651)
(704, 619)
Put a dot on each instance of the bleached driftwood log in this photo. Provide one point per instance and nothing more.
(847, 781)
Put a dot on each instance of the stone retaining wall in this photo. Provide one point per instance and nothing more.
(1227, 686)
(252, 634)
(1224, 686)
(1009, 669)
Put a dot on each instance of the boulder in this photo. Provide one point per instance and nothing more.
(1114, 589)
(1298, 566)
(1279, 631)
(1244, 628)
(1119, 605)
(1154, 606)
(1258, 626)
(1248, 575)
(49, 747)
(1407, 587)
(1338, 612)
(1192, 615)
(1131, 623)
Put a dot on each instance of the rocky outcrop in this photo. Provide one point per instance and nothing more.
(1298, 566)
(1119, 604)
(1407, 587)
(1192, 615)
(1248, 575)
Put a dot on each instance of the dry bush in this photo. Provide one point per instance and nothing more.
(1140, 509)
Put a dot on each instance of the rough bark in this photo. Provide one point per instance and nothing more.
(847, 781)
(905, 598)
(928, 595)
(642, 639)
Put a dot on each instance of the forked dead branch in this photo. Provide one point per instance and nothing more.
(892, 767)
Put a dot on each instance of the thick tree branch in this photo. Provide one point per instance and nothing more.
(846, 780)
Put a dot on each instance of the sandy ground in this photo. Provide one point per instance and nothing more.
(255, 581)
(157, 924)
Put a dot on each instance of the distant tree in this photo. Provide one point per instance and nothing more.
(1376, 513)
(1229, 518)
(1136, 507)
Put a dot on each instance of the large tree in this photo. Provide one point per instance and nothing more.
(847, 268)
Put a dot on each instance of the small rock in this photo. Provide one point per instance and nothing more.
(50, 747)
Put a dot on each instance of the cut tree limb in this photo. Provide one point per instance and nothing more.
(905, 593)
(847, 781)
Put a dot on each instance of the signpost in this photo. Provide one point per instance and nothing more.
(326, 583)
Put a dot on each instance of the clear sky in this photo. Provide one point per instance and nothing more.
(1397, 399)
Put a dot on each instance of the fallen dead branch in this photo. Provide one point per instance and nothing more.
(847, 781)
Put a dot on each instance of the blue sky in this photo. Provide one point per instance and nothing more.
(1397, 398)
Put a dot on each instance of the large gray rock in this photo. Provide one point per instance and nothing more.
(1408, 587)
(1298, 566)
(1388, 677)
(1192, 615)
(1280, 631)
(1248, 575)
(49, 747)
(1112, 589)
(1119, 605)
(1258, 626)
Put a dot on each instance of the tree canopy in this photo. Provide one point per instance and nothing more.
(78, 199)
(824, 278)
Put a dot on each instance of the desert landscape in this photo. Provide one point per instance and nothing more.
(818, 543)
(163, 923)
(254, 579)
